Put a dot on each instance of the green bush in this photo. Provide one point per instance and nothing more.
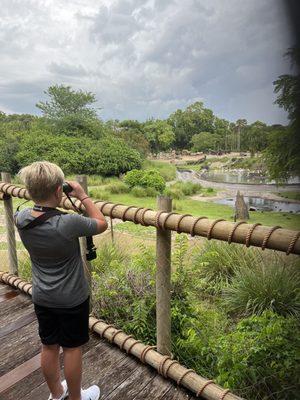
(145, 178)
(216, 263)
(117, 187)
(174, 193)
(139, 191)
(166, 170)
(269, 284)
(260, 359)
(188, 188)
(99, 194)
(111, 156)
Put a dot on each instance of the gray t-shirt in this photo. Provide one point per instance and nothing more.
(58, 278)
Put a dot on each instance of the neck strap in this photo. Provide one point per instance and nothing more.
(42, 208)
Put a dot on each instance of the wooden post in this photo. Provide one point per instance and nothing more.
(10, 229)
(163, 282)
(82, 180)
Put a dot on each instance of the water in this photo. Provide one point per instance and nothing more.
(241, 176)
(260, 204)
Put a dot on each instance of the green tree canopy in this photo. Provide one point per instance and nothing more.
(159, 134)
(64, 102)
(204, 141)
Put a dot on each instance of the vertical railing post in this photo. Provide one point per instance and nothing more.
(10, 229)
(82, 180)
(163, 282)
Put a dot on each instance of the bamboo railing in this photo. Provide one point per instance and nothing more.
(275, 238)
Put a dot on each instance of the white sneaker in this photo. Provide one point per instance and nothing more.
(91, 393)
(65, 394)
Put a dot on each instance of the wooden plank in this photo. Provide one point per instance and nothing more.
(17, 313)
(179, 393)
(20, 372)
(36, 379)
(9, 295)
(133, 384)
(155, 388)
(9, 307)
(4, 288)
(19, 323)
(19, 347)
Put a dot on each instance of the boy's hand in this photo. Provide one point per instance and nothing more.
(77, 191)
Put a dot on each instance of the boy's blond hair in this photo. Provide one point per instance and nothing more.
(41, 179)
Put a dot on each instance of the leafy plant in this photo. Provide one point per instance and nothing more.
(260, 359)
(267, 285)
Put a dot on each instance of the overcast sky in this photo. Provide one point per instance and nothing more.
(144, 58)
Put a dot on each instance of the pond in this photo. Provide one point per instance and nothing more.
(260, 204)
(240, 176)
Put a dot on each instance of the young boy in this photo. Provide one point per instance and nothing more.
(60, 291)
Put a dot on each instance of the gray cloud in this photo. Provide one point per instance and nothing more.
(146, 58)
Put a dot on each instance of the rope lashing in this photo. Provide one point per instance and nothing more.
(268, 235)
(157, 218)
(113, 207)
(224, 394)
(161, 364)
(165, 374)
(95, 323)
(163, 225)
(249, 234)
(105, 329)
(212, 227)
(104, 204)
(135, 214)
(125, 340)
(200, 391)
(292, 243)
(133, 344)
(141, 221)
(183, 375)
(125, 212)
(145, 351)
(179, 220)
(115, 334)
(192, 231)
(230, 236)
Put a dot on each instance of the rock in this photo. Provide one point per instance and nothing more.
(241, 209)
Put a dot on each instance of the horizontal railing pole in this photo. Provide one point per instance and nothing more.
(274, 238)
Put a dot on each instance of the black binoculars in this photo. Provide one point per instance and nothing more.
(67, 188)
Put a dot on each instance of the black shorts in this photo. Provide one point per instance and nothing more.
(67, 327)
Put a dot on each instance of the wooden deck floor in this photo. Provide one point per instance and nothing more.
(119, 375)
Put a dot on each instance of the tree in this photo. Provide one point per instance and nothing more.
(282, 154)
(194, 119)
(159, 134)
(204, 141)
(65, 102)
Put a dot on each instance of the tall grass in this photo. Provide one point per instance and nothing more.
(267, 284)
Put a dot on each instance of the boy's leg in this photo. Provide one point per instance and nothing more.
(73, 371)
(51, 369)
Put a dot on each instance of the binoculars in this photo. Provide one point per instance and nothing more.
(67, 188)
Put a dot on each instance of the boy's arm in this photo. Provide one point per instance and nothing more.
(91, 209)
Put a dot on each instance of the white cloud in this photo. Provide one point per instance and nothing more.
(146, 58)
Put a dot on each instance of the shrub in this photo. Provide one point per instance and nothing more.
(111, 156)
(117, 187)
(268, 284)
(145, 178)
(139, 191)
(216, 263)
(174, 193)
(99, 194)
(166, 170)
(188, 188)
(260, 358)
